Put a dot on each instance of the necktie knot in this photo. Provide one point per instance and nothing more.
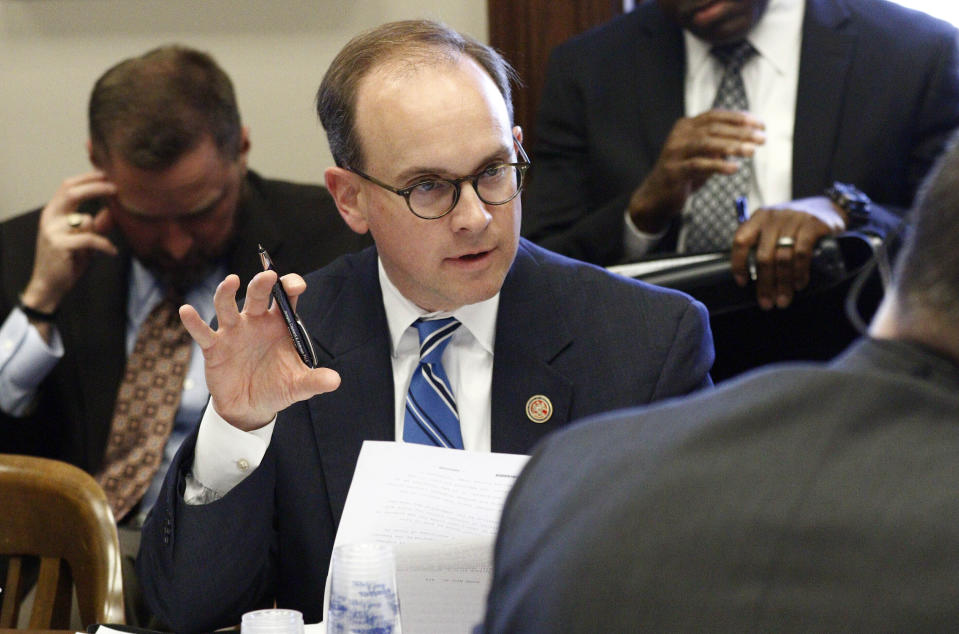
(435, 335)
(733, 55)
(163, 322)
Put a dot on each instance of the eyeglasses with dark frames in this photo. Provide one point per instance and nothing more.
(432, 198)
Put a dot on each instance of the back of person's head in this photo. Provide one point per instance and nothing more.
(410, 45)
(150, 110)
(926, 276)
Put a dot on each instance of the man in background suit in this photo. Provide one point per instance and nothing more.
(862, 92)
(798, 498)
(419, 120)
(172, 208)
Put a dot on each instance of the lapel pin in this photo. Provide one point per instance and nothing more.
(539, 408)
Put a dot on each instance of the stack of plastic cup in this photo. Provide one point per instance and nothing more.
(363, 597)
(272, 622)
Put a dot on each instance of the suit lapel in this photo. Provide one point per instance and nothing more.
(655, 85)
(523, 351)
(658, 80)
(828, 39)
(95, 333)
(253, 228)
(352, 337)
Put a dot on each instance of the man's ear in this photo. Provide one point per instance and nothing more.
(244, 145)
(93, 160)
(343, 186)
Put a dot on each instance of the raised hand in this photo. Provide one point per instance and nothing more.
(67, 239)
(696, 148)
(252, 368)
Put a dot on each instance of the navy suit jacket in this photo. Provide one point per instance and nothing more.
(588, 340)
(801, 498)
(878, 96)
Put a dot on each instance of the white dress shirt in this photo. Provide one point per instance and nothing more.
(771, 79)
(225, 455)
(25, 360)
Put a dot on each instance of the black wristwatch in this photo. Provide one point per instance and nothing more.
(855, 203)
(37, 315)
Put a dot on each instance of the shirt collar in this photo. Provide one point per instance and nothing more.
(143, 284)
(145, 291)
(479, 318)
(777, 37)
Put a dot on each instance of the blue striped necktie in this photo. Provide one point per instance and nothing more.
(431, 417)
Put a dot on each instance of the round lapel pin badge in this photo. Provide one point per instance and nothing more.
(539, 409)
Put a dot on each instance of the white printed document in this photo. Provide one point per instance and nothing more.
(440, 508)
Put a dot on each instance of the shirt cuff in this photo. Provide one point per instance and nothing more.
(25, 361)
(638, 243)
(224, 455)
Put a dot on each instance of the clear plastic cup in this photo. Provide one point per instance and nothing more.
(272, 621)
(363, 597)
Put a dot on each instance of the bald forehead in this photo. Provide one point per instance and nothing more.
(416, 57)
(404, 68)
(404, 99)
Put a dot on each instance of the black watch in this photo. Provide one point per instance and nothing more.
(37, 315)
(855, 203)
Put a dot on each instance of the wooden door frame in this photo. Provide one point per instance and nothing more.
(525, 31)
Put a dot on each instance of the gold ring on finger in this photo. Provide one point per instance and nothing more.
(74, 220)
(786, 242)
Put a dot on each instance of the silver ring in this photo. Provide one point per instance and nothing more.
(787, 242)
(74, 220)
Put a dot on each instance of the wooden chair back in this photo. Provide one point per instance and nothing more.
(56, 513)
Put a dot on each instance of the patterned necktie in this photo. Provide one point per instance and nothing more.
(710, 220)
(146, 405)
(431, 417)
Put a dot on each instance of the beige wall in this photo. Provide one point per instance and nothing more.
(51, 52)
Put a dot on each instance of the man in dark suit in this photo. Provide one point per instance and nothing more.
(429, 161)
(627, 135)
(180, 201)
(172, 208)
(798, 498)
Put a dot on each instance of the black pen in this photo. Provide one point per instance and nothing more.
(742, 216)
(301, 339)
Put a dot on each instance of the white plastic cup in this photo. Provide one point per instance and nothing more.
(272, 621)
(363, 597)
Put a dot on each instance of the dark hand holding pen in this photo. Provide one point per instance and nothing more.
(742, 215)
(782, 242)
(301, 338)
